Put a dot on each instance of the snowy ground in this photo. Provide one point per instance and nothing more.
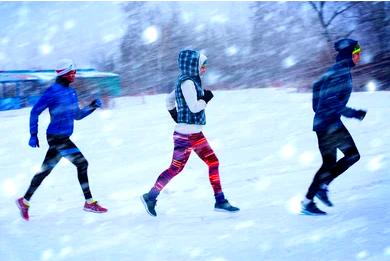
(268, 156)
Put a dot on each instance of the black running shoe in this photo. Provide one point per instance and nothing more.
(311, 209)
(225, 206)
(149, 204)
(322, 194)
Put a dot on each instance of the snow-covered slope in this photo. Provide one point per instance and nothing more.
(268, 156)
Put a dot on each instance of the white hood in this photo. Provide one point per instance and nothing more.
(202, 60)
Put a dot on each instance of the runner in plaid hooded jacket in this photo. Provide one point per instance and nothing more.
(191, 100)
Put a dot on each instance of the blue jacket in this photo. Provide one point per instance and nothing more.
(63, 108)
(189, 70)
(330, 96)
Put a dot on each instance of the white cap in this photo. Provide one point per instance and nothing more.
(64, 66)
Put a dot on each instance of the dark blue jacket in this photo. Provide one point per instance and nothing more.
(63, 108)
(330, 96)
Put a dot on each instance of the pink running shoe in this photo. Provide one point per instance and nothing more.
(23, 208)
(94, 207)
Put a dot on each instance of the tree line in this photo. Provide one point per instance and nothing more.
(282, 44)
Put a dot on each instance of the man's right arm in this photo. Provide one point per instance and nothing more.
(38, 108)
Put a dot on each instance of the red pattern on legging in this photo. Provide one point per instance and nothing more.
(183, 145)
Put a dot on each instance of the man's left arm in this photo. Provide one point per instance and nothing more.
(348, 111)
(87, 110)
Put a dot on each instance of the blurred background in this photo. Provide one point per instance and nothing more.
(249, 44)
(267, 55)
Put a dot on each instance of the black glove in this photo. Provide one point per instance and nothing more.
(360, 114)
(173, 113)
(97, 103)
(207, 96)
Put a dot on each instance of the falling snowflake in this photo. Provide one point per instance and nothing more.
(231, 51)
(288, 62)
(287, 151)
(219, 19)
(375, 163)
(108, 38)
(371, 86)
(294, 204)
(150, 35)
(306, 158)
(362, 255)
(45, 49)
(69, 24)
(9, 188)
(4, 40)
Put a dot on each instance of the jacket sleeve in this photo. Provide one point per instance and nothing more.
(316, 92)
(189, 93)
(349, 112)
(84, 112)
(333, 98)
(37, 109)
(343, 95)
(170, 100)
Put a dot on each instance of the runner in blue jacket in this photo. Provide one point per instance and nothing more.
(61, 100)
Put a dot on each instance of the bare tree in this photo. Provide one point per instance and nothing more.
(327, 17)
(374, 19)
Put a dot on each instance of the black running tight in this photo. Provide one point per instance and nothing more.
(61, 146)
(328, 144)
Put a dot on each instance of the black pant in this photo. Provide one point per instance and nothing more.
(328, 143)
(61, 146)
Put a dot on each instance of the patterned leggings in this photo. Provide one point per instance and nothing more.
(183, 145)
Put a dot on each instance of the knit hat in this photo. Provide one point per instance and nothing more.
(64, 66)
(346, 47)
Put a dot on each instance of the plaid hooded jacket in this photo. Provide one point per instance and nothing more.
(188, 62)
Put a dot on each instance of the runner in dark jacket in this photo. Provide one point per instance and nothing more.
(330, 97)
(61, 100)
